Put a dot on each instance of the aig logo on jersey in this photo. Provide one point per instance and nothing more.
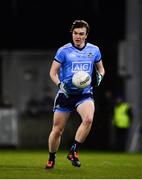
(81, 66)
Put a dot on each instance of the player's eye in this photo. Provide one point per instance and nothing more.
(81, 34)
(75, 33)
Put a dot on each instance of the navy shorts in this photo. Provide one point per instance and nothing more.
(69, 103)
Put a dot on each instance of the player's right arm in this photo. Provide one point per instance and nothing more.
(54, 72)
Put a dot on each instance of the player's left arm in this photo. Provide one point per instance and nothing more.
(100, 72)
(100, 67)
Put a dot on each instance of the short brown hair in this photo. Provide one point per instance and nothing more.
(80, 24)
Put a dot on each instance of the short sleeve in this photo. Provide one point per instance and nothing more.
(98, 55)
(60, 55)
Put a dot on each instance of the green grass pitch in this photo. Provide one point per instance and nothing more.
(20, 164)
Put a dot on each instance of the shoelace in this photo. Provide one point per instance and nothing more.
(75, 154)
(50, 163)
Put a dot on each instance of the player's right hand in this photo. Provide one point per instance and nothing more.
(63, 87)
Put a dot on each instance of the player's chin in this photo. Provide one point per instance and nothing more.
(77, 43)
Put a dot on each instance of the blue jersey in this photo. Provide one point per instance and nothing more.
(72, 60)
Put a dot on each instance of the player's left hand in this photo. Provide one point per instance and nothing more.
(99, 78)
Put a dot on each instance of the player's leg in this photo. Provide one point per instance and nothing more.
(59, 122)
(86, 110)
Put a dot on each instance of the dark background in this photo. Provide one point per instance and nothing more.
(46, 24)
(34, 24)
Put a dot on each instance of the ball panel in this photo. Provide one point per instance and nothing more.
(81, 79)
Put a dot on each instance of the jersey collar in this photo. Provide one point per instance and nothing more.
(77, 47)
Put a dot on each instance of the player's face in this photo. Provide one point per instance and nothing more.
(79, 36)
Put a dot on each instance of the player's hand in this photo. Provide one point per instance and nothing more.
(63, 87)
(99, 78)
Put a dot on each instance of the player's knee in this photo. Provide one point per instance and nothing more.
(58, 131)
(88, 120)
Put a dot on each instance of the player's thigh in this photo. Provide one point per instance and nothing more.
(60, 119)
(86, 109)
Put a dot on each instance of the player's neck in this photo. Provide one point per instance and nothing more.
(81, 46)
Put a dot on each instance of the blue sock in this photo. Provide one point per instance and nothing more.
(75, 146)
